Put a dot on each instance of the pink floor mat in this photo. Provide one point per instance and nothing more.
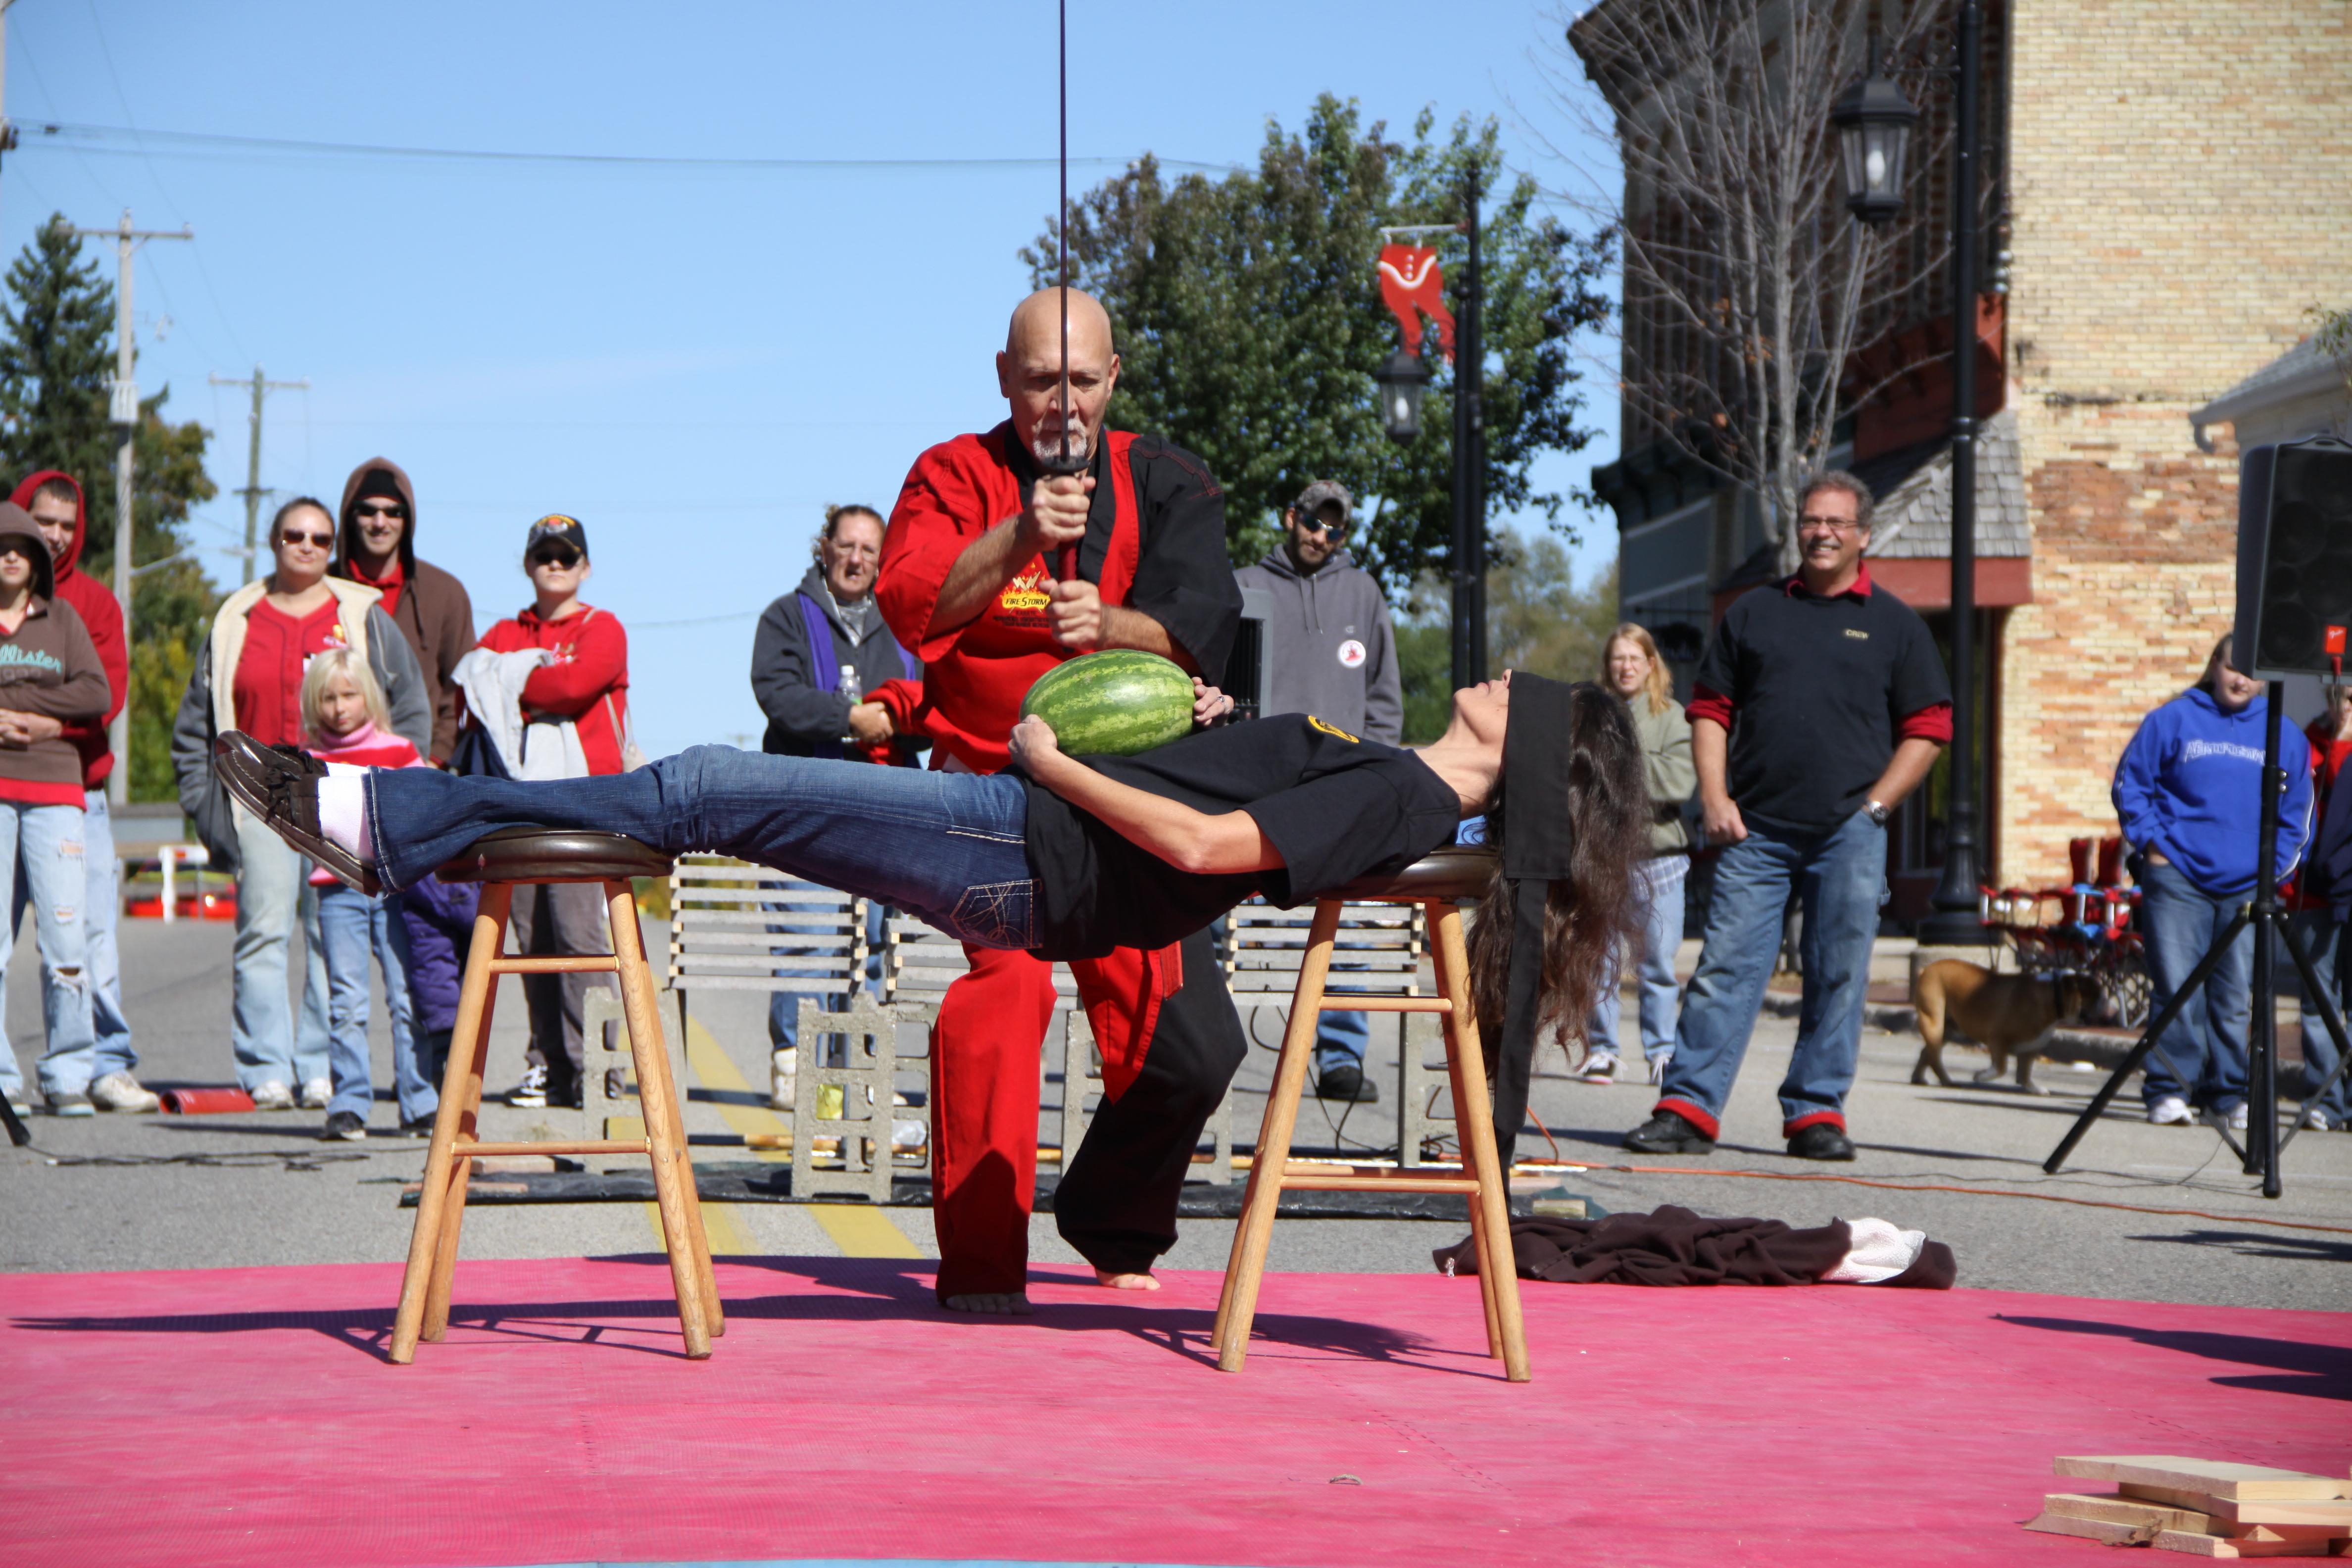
(249, 1416)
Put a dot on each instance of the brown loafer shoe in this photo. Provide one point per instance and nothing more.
(279, 784)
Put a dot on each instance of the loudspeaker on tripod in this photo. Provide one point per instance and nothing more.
(2294, 558)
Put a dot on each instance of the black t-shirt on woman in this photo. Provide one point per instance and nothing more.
(1334, 807)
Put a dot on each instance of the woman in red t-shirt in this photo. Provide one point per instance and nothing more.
(248, 677)
(585, 682)
(2315, 922)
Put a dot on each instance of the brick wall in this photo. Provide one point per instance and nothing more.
(2180, 191)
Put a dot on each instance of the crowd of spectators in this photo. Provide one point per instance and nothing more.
(1819, 703)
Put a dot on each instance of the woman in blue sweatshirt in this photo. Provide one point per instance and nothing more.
(2189, 791)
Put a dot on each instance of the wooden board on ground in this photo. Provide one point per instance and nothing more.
(2214, 1478)
(2111, 1532)
(2217, 1546)
(2261, 1511)
(2129, 1510)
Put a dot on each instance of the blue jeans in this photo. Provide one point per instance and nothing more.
(785, 1006)
(2178, 921)
(101, 959)
(271, 1047)
(1664, 878)
(351, 927)
(42, 851)
(2323, 940)
(945, 846)
(1841, 878)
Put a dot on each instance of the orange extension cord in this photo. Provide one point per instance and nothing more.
(1933, 1187)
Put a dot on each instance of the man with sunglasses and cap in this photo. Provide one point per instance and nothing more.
(376, 545)
(1330, 651)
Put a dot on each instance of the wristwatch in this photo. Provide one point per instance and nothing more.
(1877, 813)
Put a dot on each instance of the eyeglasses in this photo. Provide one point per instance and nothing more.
(552, 556)
(316, 541)
(1832, 524)
(381, 509)
(1322, 526)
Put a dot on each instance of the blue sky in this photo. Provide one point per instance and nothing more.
(691, 361)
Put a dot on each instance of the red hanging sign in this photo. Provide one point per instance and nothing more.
(1411, 283)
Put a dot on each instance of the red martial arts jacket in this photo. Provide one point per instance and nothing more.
(1155, 541)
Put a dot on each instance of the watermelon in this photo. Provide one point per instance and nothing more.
(1116, 703)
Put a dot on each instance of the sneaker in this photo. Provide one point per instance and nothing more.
(2315, 1121)
(1347, 1082)
(316, 1093)
(2171, 1111)
(419, 1126)
(530, 1094)
(69, 1103)
(1822, 1141)
(347, 1125)
(2234, 1119)
(272, 1096)
(1599, 1066)
(119, 1090)
(1669, 1132)
(20, 1102)
(279, 784)
(1658, 1066)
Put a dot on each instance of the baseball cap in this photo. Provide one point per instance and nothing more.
(557, 528)
(1325, 493)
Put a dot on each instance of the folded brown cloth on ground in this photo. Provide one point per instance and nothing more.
(1671, 1246)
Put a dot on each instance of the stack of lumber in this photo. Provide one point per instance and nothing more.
(2204, 1506)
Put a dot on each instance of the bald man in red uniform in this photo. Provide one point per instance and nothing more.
(993, 570)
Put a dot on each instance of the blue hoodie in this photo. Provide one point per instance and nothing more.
(2189, 787)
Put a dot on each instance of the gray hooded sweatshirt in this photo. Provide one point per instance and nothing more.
(1330, 648)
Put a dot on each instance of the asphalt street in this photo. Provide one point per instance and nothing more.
(167, 1192)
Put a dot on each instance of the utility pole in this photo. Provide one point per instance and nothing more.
(253, 491)
(125, 413)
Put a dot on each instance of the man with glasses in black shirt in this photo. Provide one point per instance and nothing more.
(1820, 704)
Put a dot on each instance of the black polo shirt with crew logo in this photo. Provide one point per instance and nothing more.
(1818, 690)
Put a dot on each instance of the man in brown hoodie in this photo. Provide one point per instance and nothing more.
(376, 546)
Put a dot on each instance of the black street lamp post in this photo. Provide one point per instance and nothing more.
(1872, 119)
(1402, 379)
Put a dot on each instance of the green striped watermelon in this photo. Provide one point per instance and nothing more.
(1116, 702)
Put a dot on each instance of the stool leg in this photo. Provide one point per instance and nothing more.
(461, 1173)
(433, 1196)
(673, 1174)
(629, 960)
(1238, 1304)
(1474, 1118)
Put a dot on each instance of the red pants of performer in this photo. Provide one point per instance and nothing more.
(1169, 1041)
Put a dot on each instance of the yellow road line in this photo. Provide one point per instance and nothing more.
(858, 1231)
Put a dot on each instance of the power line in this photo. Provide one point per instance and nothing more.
(93, 138)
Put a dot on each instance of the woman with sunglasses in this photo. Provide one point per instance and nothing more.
(578, 697)
(264, 635)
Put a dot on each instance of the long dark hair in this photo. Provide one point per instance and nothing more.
(1600, 904)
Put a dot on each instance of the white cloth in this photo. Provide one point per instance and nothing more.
(531, 748)
(1878, 1252)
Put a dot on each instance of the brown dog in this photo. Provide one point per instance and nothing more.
(2006, 1014)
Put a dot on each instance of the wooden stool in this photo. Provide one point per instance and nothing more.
(1437, 883)
(502, 862)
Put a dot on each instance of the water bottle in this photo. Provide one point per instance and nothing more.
(851, 686)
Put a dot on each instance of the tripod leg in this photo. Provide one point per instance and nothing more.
(2329, 1016)
(2155, 1027)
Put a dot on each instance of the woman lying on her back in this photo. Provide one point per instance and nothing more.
(1070, 858)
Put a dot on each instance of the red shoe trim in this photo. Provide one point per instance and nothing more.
(1834, 1118)
(1692, 1114)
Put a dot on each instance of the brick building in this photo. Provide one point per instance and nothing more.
(2173, 184)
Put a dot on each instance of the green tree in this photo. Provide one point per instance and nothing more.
(1249, 323)
(57, 364)
(1538, 619)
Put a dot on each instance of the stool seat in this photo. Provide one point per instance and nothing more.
(555, 855)
(1459, 871)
